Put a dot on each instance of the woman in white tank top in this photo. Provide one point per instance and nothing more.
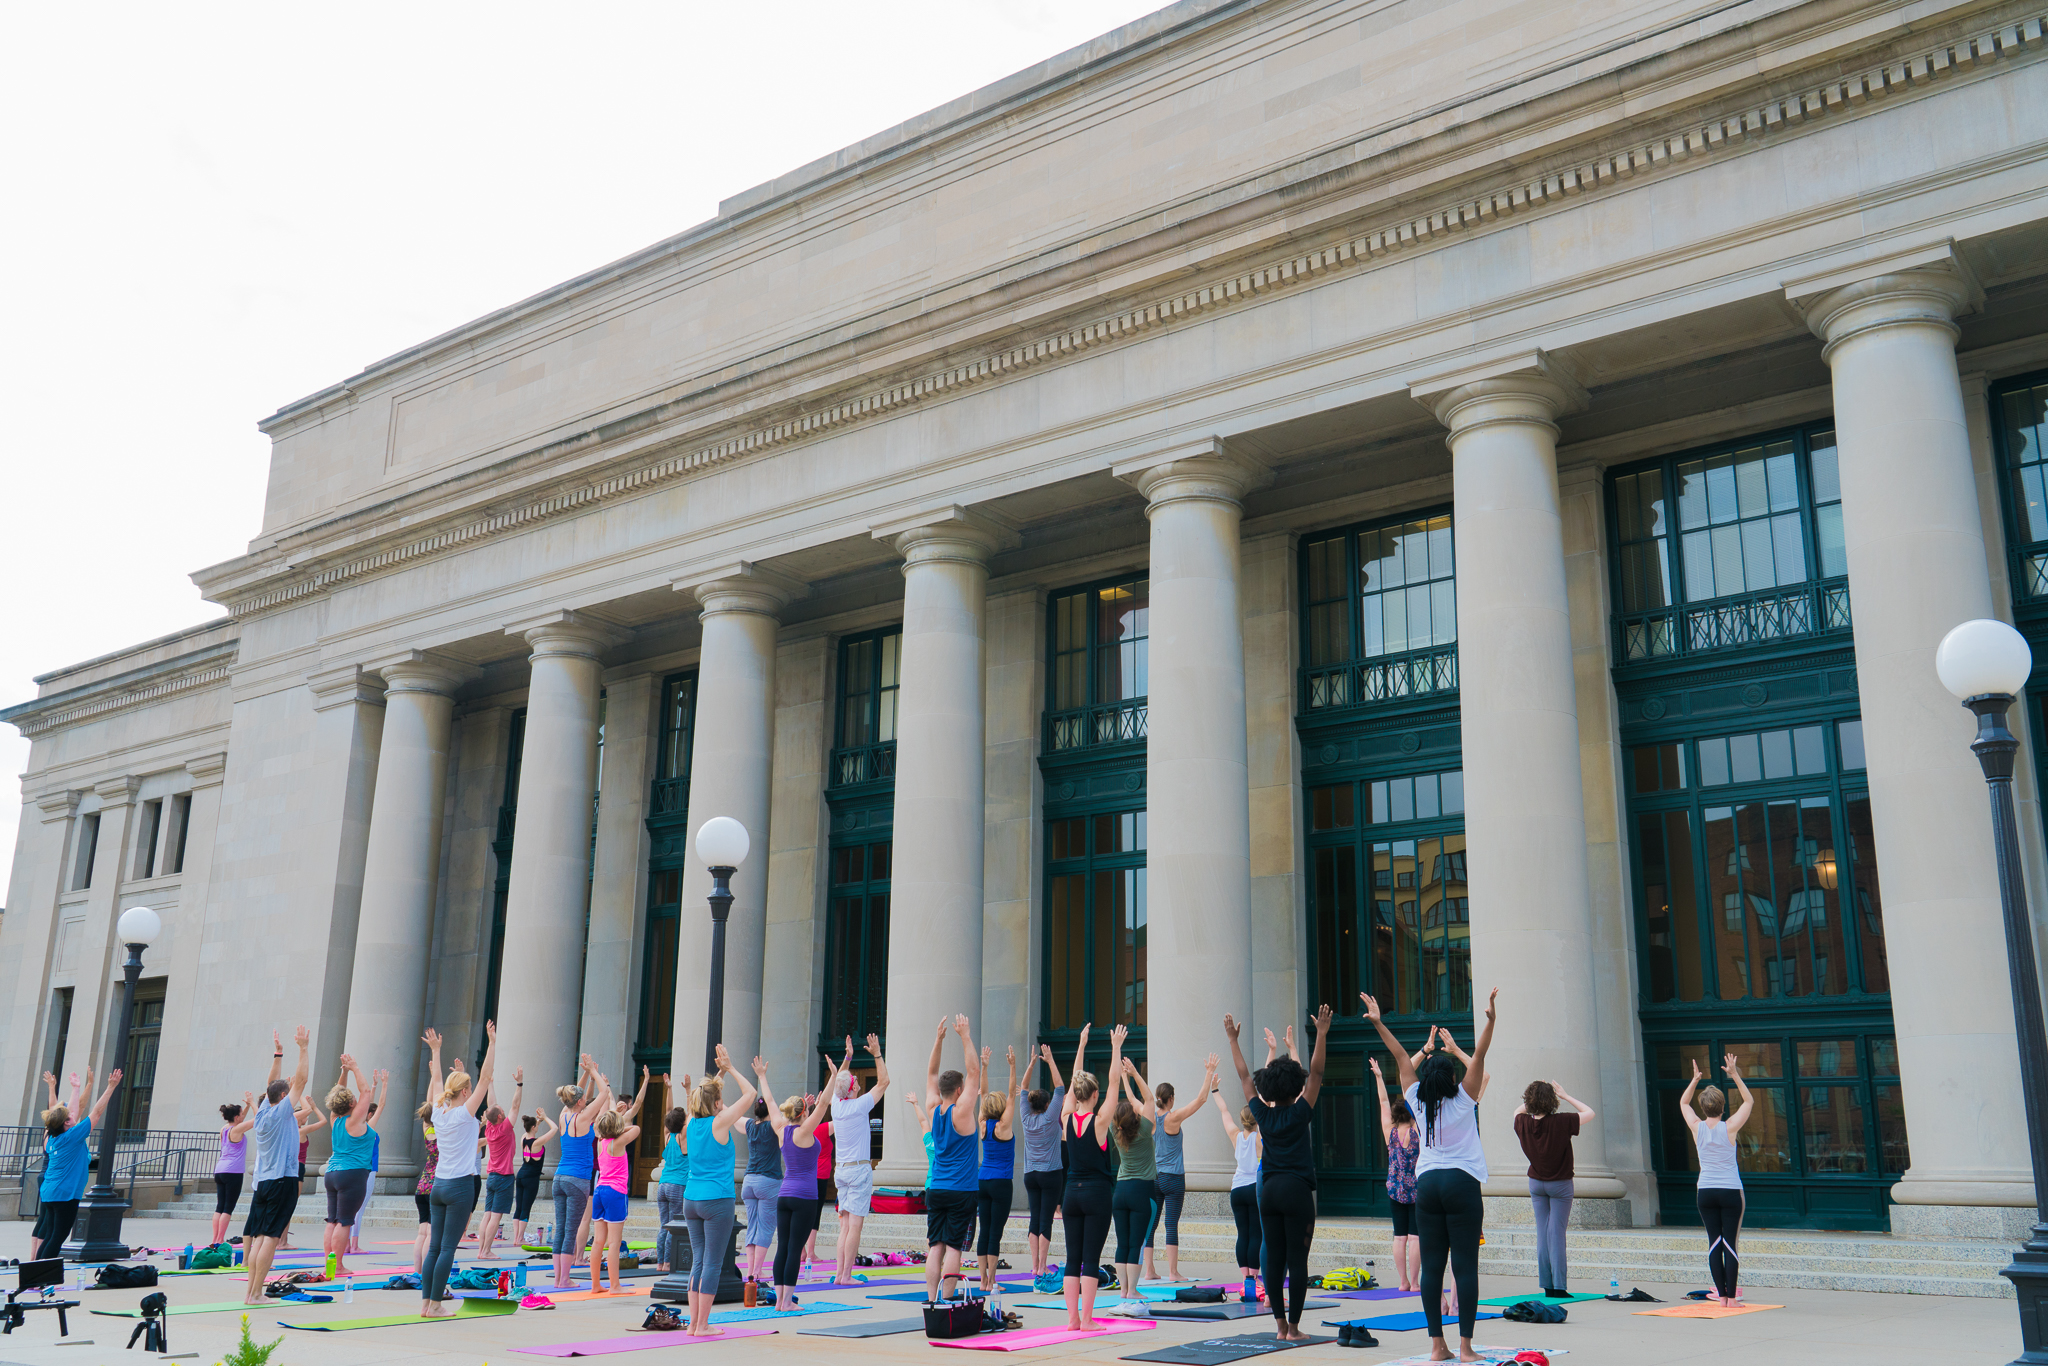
(1720, 1186)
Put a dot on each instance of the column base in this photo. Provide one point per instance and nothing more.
(1587, 1211)
(1993, 1223)
(2014, 1191)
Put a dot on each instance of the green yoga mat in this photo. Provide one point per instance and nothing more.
(471, 1309)
(232, 1306)
(1503, 1301)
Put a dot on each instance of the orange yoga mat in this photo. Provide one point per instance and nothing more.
(1703, 1309)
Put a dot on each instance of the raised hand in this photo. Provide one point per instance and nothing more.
(984, 1058)
(1212, 1066)
(1489, 1004)
(943, 1022)
(1045, 1052)
(276, 1045)
(1272, 1044)
(1729, 1064)
(432, 1038)
(721, 1059)
(1288, 1038)
(1372, 1007)
(248, 1102)
(1322, 1020)
(519, 1076)
(491, 1030)
(874, 1046)
(760, 1067)
(1118, 1035)
(1009, 1054)
(302, 1036)
(1374, 1064)
(113, 1078)
(1231, 1028)
(1696, 1073)
(960, 1025)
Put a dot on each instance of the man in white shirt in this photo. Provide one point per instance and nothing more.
(854, 1171)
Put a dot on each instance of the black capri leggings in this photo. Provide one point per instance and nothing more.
(1042, 1191)
(1287, 1219)
(795, 1220)
(1171, 1188)
(1448, 1214)
(1085, 1209)
(1721, 1212)
(525, 1187)
(992, 1212)
(227, 1188)
(1244, 1207)
(1132, 1209)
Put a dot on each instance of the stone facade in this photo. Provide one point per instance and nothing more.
(1166, 305)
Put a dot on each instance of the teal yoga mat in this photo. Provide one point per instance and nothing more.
(1503, 1301)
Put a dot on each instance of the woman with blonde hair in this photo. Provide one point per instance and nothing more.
(454, 1193)
(608, 1197)
(708, 1195)
(1720, 1188)
(797, 1204)
(1244, 1184)
(996, 1178)
(1091, 1182)
(575, 1168)
(348, 1162)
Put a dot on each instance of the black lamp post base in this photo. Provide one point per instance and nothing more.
(675, 1287)
(98, 1235)
(2029, 1276)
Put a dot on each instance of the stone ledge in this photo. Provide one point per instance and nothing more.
(1993, 1223)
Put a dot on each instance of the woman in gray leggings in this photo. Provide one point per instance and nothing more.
(576, 1167)
(708, 1191)
(1546, 1133)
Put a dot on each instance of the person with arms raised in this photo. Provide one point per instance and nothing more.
(951, 1194)
(66, 1160)
(277, 1161)
(1282, 1098)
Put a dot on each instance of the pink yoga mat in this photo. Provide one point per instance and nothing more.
(639, 1343)
(1041, 1337)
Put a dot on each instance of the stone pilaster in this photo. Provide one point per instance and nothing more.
(618, 883)
(1525, 819)
(95, 994)
(28, 939)
(793, 957)
(175, 1104)
(1913, 530)
(1011, 874)
(1281, 990)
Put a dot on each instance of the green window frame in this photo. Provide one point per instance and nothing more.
(870, 677)
(1095, 929)
(678, 730)
(501, 888)
(1380, 613)
(857, 942)
(2019, 410)
(145, 1035)
(1729, 546)
(1098, 658)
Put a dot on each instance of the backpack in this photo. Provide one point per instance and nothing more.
(1199, 1294)
(1347, 1278)
(119, 1277)
(474, 1278)
(1534, 1311)
(214, 1257)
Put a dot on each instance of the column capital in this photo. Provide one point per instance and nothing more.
(1924, 286)
(1203, 470)
(116, 791)
(1529, 387)
(345, 685)
(60, 805)
(946, 533)
(742, 586)
(207, 770)
(563, 633)
(421, 671)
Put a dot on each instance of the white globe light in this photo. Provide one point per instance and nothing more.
(138, 925)
(722, 842)
(1982, 657)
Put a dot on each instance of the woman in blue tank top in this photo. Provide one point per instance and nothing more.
(575, 1168)
(708, 1191)
(998, 1169)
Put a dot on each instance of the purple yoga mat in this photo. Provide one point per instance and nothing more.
(1381, 1293)
(639, 1343)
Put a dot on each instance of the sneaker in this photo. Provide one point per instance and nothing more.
(536, 1301)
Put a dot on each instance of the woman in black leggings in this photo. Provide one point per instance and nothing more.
(1450, 1168)
(1282, 1098)
(1244, 1184)
(1091, 1179)
(1720, 1187)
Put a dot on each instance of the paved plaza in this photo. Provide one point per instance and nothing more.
(1814, 1328)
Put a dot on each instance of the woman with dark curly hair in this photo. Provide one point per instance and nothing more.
(1282, 1099)
(1546, 1133)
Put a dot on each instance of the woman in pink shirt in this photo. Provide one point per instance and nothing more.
(608, 1196)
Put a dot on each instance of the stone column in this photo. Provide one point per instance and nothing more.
(1012, 881)
(1272, 634)
(395, 926)
(1525, 817)
(540, 980)
(618, 883)
(799, 831)
(1915, 541)
(935, 904)
(732, 749)
(1198, 938)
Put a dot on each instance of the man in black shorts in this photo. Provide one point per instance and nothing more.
(954, 1187)
(276, 1166)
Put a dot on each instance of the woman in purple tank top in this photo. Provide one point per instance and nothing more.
(797, 1205)
(230, 1167)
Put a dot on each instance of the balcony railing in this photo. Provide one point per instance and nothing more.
(857, 764)
(1387, 678)
(1097, 727)
(153, 1156)
(669, 799)
(1775, 614)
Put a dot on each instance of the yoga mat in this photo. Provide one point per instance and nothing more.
(1216, 1351)
(1397, 1323)
(471, 1309)
(1234, 1310)
(606, 1346)
(560, 1296)
(848, 1285)
(887, 1328)
(769, 1311)
(1020, 1340)
(1490, 1353)
(1382, 1293)
(235, 1306)
(1503, 1301)
(1700, 1309)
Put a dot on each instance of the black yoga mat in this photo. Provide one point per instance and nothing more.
(1216, 1351)
(866, 1330)
(1170, 1309)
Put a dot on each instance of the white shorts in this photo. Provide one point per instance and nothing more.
(856, 1183)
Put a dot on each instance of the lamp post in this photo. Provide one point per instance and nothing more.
(100, 1211)
(1985, 663)
(722, 843)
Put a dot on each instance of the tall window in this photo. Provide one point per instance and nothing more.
(870, 674)
(1380, 613)
(501, 892)
(180, 827)
(658, 981)
(671, 795)
(2021, 408)
(1100, 672)
(145, 1033)
(1736, 546)
(88, 850)
(1095, 922)
(668, 811)
(857, 942)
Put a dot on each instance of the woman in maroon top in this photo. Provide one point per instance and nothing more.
(1546, 1133)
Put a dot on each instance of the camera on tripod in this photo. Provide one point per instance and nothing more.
(153, 1331)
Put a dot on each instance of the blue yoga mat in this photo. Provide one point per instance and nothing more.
(1396, 1323)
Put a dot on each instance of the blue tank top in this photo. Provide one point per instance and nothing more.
(675, 1168)
(350, 1152)
(710, 1162)
(1171, 1158)
(998, 1155)
(953, 1154)
(579, 1155)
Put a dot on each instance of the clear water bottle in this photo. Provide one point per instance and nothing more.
(348, 1291)
(1614, 1287)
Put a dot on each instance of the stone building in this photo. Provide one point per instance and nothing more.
(1291, 498)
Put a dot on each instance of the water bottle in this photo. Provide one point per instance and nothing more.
(1251, 1289)
(519, 1278)
(333, 1265)
(185, 1258)
(1614, 1287)
(348, 1291)
(747, 1295)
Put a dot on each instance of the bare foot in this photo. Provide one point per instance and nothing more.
(1438, 1351)
(1467, 1354)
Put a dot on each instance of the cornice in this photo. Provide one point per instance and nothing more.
(650, 459)
(123, 692)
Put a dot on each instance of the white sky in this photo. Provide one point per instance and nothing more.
(214, 210)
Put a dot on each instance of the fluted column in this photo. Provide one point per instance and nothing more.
(1198, 935)
(394, 929)
(541, 975)
(935, 904)
(1525, 816)
(731, 753)
(1917, 567)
